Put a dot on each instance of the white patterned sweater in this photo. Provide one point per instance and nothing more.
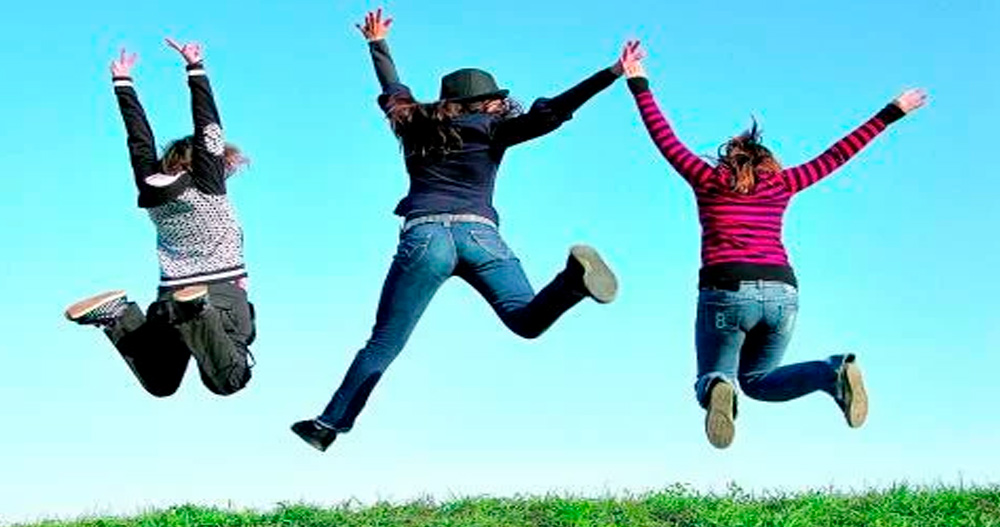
(198, 237)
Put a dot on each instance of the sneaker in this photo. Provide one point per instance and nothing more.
(719, 425)
(317, 435)
(190, 293)
(598, 280)
(854, 401)
(98, 310)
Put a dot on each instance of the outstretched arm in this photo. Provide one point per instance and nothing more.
(208, 150)
(375, 29)
(691, 167)
(141, 144)
(809, 173)
(547, 114)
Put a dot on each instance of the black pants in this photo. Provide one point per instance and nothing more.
(158, 345)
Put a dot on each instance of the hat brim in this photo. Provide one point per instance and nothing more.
(499, 94)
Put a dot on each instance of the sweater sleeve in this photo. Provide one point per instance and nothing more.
(208, 150)
(141, 144)
(809, 173)
(393, 90)
(547, 114)
(692, 168)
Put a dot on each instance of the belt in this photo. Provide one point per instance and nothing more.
(448, 219)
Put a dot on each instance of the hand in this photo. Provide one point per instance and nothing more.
(630, 61)
(374, 28)
(190, 51)
(910, 100)
(122, 66)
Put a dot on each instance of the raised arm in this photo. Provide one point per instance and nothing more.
(809, 173)
(691, 167)
(375, 29)
(208, 149)
(141, 144)
(547, 114)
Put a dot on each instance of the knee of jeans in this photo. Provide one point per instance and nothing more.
(527, 332)
(749, 384)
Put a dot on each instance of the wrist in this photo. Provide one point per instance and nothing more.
(638, 84)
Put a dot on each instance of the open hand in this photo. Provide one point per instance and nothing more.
(191, 51)
(910, 100)
(630, 61)
(375, 27)
(122, 66)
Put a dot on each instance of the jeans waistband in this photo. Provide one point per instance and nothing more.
(448, 219)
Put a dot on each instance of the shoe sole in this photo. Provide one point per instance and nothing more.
(85, 306)
(856, 407)
(719, 425)
(187, 294)
(597, 276)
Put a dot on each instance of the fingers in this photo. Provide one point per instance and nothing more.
(173, 43)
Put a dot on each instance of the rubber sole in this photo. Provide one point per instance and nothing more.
(855, 396)
(189, 293)
(719, 425)
(85, 306)
(600, 282)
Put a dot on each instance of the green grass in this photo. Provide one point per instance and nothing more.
(676, 507)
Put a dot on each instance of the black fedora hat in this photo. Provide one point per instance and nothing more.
(470, 84)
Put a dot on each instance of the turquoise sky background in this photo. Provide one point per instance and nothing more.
(896, 253)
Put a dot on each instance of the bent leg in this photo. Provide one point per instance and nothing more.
(761, 376)
(218, 334)
(152, 348)
(719, 335)
(424, 259)
(490, 267)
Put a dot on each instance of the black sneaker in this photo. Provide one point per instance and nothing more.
(598, 281)
(854, 398)
(317, 435)
(720, 426)
(98, 310)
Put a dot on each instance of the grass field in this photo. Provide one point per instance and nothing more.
(675, 507)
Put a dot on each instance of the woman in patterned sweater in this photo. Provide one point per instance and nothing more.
(202, 307)
(452, 150)
(748, 296)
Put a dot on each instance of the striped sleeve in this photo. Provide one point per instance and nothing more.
(691, 167)
(802, 176)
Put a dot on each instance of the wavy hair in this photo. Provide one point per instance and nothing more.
(427, 130)
(744, 157)
(177, 157)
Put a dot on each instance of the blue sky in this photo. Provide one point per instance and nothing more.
(896, 253)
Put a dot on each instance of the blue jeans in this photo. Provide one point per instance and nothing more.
(743, 335)
(427, 255)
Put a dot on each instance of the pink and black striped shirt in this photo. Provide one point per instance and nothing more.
(741, 233)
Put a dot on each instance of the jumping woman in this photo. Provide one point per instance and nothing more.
(452, 149)
(748, 295)
(202, 306)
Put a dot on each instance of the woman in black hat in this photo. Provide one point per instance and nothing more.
(453, 148)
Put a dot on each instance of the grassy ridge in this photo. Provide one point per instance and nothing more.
(676, 507)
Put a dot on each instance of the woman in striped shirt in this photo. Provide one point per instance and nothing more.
(748, 296)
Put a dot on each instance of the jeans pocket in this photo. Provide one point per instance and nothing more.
(491, 242)
(412, 248)
(719, 316)
(786, 322)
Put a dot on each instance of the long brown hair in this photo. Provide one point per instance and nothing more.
(177, 157)
(426, 130)
(744, 157)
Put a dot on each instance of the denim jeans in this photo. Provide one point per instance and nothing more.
(427, 255)
(743, 335)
